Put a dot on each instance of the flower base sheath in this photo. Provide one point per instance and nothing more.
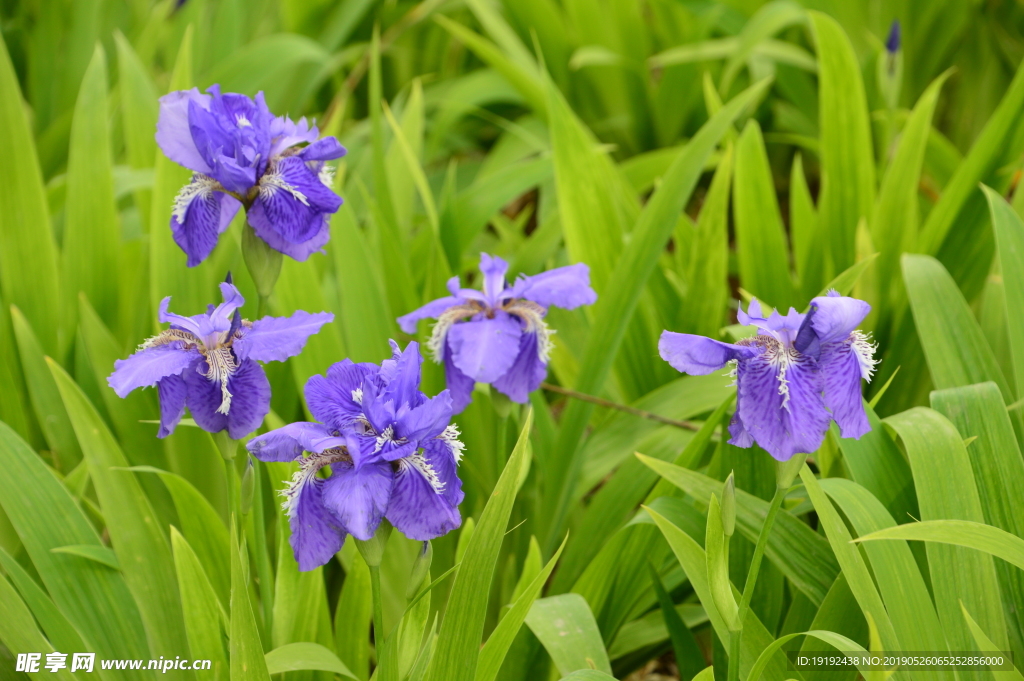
(498, 335)
(392, 453)
(209, 363)
(794, 377)
(241, 154)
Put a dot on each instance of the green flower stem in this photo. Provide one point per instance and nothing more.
(378, 611)
(734, 655)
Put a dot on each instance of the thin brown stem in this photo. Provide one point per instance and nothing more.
(600, 401)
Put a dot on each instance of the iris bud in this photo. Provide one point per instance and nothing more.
(729, 505)
(263, 262)
(420, 569)
(248, 484)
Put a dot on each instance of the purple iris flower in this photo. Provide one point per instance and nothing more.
(498, 336)
(392, 453)
(241, 154)
(798, 373)
(208, 363)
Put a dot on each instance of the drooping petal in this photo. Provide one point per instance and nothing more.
(564, 287)
(171, 390)
(336, 399)
(441, 455)
(484, 349)
(294, 200)
(146, 367)
(840, 369)
(359, 497)
(830, 319)
(403, 380)
(431, 310)
(316, 534)
(250, 402)
(204, 399)
(173, 133)
(275, 339)
(460, 386)
(289, 442)
(200, 215)
(698, 355)
(740, 436)
(493, 268)
(526, 373)
(325, 149)
(218, 320)
(265, 230)
(778, 398)
(428, 420)
(418, 507)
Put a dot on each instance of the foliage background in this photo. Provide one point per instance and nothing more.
(692, 153)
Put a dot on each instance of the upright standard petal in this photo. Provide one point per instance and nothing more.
(830, 319)
(418, 507)
(483, 348)
(493, 268)
(778, 397)
(526, 373)
(359, 497)
(427, 420)
(173, 132)
(564, 287)
(697, 355)
(275, 339)
(146, 367)
(840, 367)
(172, 393)
(289, 442)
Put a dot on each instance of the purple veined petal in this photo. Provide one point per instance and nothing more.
(431, 310)
(266, 230)
(830, 319)
(326, 149)
(171, 390)
(439, 455)
(464, 294)
(235, 176)
(316, 534)
(294, 198)
(275, 339)
(250, 401)
(841, 372)
(460, 386)
(200, 215)
(336, 399)
(187, 323)
(379, 413)
(392, 450)
(781, 408)
(289, 442)
(740, 436)
(220, 317)
(526, 373)
(427, 420)
(698, 355)
(418, 507)
(358, 497)
(484, 349)
(146, 367)
(564, 287)
(173, 133)
(494, 269)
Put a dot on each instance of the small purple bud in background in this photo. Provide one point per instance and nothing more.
(892, 43)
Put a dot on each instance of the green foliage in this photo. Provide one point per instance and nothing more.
(690, 154)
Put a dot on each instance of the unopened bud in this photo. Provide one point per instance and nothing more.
(729, 505)
(420, 569)
(372, 549)
(263, 262)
